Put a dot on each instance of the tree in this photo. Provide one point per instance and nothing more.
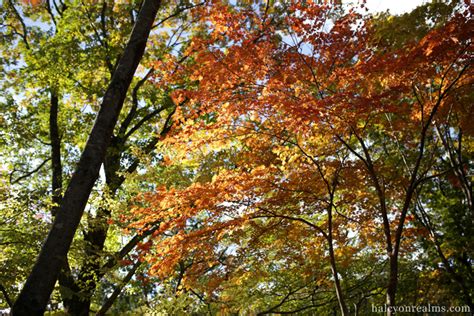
(82, 37)
(34, 296)
(376, 104)
(285, 157)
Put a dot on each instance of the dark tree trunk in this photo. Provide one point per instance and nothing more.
(392, 283)
(68, 287)
(57, 178)
(94, 239)
(35, 294)
(91, 269)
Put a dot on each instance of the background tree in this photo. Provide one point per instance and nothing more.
(100, 43)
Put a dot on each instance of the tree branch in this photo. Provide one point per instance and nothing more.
(111, 299)
(6, 296)
(29, 173)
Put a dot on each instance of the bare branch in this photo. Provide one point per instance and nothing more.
(29, 173)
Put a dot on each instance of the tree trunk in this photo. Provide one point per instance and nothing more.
(337, 284)
(392, 283)
(35, 294)
(332, 258)
(96, 235)
(91, 270)
(57, 178)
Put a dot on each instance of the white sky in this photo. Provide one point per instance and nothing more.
(395, 6)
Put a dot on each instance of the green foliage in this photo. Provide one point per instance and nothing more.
(395, 31)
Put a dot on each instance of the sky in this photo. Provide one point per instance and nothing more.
(395, 6)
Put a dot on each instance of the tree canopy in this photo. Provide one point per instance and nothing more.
(292, 157)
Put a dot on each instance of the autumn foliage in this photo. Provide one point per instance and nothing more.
(266, 157)
(327, 137)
